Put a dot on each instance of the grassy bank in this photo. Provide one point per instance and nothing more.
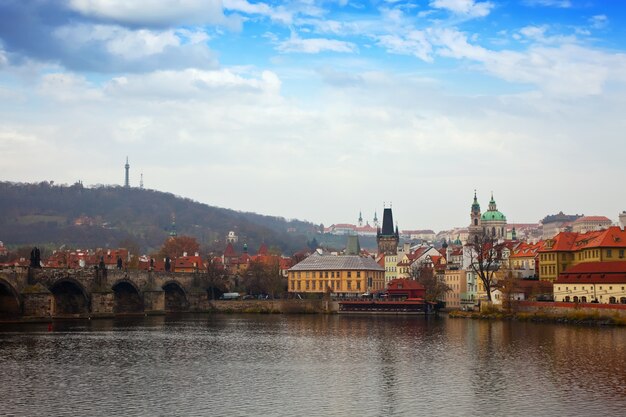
(577, 317)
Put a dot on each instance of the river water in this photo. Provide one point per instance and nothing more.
(311, 365)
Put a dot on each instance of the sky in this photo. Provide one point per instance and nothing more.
(317, 110)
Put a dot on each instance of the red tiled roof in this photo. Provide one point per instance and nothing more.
(229, 251)
(612, 237)
(594, 272)
(262, 250)
(188, 262)
(407, 284)
(592, 219)
(527, 250)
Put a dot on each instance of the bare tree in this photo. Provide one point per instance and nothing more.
(485, 259)
(436, 289)
(215, 277)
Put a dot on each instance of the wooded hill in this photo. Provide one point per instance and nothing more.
(111, 216)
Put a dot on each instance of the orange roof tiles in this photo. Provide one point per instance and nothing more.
(592, 219)
(594, 272)
(612, 237)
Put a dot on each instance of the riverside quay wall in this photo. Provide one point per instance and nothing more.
(36, 294)
(562, 309)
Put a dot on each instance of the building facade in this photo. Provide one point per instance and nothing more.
(456, 279)
(597, 282)
(590, 224)
(345, 276)
(568, 249)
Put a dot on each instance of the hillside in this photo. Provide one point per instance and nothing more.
(110, 216)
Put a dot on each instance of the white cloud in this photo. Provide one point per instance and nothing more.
(555, 64)
(534, 32)
(563, 4)
(194, 84)
(566, 69)
(278, 14)
(315, 45)
(599, 21)
(414, 43)
(67, 87)
(470, 8)
(152, 12)
(128, 44)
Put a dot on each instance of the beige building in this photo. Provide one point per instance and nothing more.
(602, 282)
(341, 275)
(457, 281)
(590, 224)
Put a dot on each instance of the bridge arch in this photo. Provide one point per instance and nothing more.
(127, 298)
(70, 297)
(10, 302)
(175, 297)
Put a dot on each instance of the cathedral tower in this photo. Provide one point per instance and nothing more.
(475, 227)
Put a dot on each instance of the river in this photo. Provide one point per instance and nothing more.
(311, 365)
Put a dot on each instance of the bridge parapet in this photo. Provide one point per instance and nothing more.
(90, 292)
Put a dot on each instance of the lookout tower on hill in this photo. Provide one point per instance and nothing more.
(126, 178)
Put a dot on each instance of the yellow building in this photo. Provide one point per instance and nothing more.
(341, 275)
(601, 282)
(568, 249)
(457, 281)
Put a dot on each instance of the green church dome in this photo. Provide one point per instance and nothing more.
(493, 216)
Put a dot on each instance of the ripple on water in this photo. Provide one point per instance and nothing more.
(313, 366)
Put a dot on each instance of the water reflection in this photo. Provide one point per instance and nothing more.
(310, 365)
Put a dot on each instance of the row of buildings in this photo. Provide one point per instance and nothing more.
(585, 265)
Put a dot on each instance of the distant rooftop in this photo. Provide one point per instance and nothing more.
(317, 262)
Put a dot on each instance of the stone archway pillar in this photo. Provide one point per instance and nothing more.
(102, 303)
(154, 302)
(38, 302)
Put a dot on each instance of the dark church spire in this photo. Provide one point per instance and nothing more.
(387, 222)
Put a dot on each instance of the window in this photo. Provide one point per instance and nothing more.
(349, 274)
(349, 285)
(313, 285)
(332, 274)
(299, 286)
(621, 253)
(358, 285)
(307, 285)
(326, 274)
(583, 299)
(293, 285)
(612, 300)
(358, 274)
(609, 253)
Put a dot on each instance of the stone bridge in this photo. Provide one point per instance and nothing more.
(86, 293)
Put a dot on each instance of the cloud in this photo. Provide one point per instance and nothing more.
(68, 88)
(315, 45)
(278, 14)
(563, 4)
(555, 64)
(193, 84)
(470, 8)
(59, 36)
(160, 13)
(567, 69)
(414, 43)
(599, 21)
